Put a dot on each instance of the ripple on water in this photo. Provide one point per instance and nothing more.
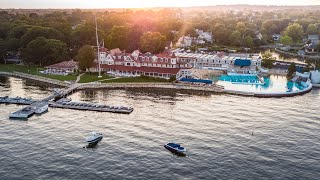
(227, 137)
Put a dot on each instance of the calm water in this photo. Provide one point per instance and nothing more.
(216, 130)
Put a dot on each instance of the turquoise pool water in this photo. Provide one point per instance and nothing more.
(272, 84)
(241, 79)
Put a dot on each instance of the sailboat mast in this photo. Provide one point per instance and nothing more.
(98, 47)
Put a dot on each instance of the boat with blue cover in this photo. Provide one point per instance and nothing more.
(175, 148)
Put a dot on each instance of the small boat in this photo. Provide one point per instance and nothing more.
(94, 137)
(175, 148)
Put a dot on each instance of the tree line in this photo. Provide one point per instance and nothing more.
(39, 38)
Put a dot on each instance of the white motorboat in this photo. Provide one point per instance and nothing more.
(175, 148)
(94, 137)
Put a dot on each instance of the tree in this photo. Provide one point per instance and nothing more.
(82, 35)
(286, 40)
(312, 29)
(241, 27)
(221, 33)
(295, 31)
(85, 57)
(35, 52)
(119, 37)
(56, 51)
(153, 42)
(267, 60)
(235, 38)
(291, 70)
(38, 31)
(44, 51)
(248, 41)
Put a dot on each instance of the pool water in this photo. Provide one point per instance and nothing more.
(272, 84)
(246, 79)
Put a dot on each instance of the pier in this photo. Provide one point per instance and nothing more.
(91, 107)
(29, 110)
(55, 100)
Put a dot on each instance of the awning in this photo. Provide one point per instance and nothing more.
(242, 62)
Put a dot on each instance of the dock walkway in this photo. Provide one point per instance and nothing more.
(29, 110)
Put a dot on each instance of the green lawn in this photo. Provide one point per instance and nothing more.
(35, 71)
(141, 79)
(93, 77)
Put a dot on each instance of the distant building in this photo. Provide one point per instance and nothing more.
(12, 58)
(62, 68)
(276, 37)
(184, 41)
(207, 36)
(120, 63)
(312, 42)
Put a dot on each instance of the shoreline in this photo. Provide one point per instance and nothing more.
(175, 86)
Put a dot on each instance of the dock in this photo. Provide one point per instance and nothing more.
(64, 103)
(91, 107)
(16, 100)
(29, 110)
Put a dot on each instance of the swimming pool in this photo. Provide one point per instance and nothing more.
(272, 84)
(241, 79)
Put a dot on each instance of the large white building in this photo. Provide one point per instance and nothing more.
(219, 61)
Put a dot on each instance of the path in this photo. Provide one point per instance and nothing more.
(79, 77)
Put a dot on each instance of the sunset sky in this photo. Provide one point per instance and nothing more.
(141, 3)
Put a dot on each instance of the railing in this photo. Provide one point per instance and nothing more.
(213, 88)
(34, 77)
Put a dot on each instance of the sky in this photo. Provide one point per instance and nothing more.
(87, 4)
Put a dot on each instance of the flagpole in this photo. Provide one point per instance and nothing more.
(98, 47)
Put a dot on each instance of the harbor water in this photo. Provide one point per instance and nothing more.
(226, 136)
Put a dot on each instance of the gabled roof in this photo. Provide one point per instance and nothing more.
(64, 65)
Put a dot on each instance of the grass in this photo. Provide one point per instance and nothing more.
(35, 71)
(93, 77)
(86, 78)
(141, 79)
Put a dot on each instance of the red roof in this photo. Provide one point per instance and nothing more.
(103, 49)
(64, 65)
(142, 69)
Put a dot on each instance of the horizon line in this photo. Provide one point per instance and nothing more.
(263, 5)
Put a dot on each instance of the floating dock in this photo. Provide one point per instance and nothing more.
(91, 107)
(16, 100)
(29, 110)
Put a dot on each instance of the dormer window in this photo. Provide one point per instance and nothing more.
(166, 60)
(161, 60)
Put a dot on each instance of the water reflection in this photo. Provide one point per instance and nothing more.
(4, 81)
(92, 146)
(88, 95)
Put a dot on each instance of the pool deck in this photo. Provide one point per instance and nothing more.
(271, 95)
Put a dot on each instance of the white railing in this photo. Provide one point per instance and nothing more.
(34, 77)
